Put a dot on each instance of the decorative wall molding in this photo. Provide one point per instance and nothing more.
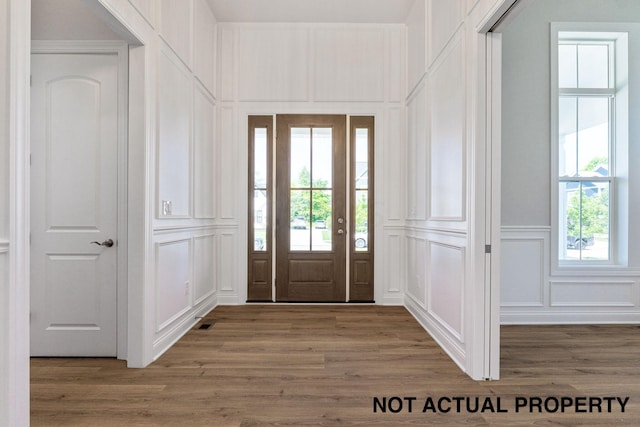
(532, 293)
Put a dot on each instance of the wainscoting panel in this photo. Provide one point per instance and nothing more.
(204, 276)
(204, 159)
(524, 271)
(531, 293)
(445, 285)
(392, 252)
(590, 293)
(416, 269)
(173, 275)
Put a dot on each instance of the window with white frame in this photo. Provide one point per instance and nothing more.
(587, 83)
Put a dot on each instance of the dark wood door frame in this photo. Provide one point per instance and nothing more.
(311, 276)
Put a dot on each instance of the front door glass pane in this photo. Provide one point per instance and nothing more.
(300, 157)
(300, 235)
(311, 205)
(321, 206)
(322, 158)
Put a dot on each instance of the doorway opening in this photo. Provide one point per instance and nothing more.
(310, 208)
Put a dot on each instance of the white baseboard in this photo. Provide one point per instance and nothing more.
(569, 318)
(448, 344)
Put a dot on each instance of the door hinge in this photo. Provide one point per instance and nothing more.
(487, 249)
(30, 80)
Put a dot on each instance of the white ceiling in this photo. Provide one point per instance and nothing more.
(312, 11)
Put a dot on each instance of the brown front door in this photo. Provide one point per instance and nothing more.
(311, 217)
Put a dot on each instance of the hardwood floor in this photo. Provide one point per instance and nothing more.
(324, 365)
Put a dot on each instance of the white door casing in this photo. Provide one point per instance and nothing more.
(74, 183)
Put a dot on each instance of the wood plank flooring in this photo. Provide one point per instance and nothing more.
(268, 365)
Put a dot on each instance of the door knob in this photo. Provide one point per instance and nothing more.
(108, 243)
(340, 231)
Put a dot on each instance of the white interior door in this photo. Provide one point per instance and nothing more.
(74, 131)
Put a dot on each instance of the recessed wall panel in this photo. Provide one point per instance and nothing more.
(393, 165)
(444, 18)
(204, 44)
(230, 174)
(174, 145)
(173, 287)
(176, 27)
(415, 260)
(349, 64)
(396, 65)
(590, 293)
(227, 261)
(447, 143)
(417, 146)
(204, 156)
(204, 266)
(446, 284)
(417, 43)
(272, 64)
(394, 263)
(522, 273)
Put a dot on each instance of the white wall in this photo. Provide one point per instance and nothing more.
(6, 364)
(534, 289)
(14, 273)
(445, 213)
(320, 68)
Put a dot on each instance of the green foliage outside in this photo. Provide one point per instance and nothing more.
(595, 162)
(595, 214)
(362, 211)
(321, 203)
(594, 209)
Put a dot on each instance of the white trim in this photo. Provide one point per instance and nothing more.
(173, 334)
(493, 202)
(612, 32)
(14, 389)
(121, 50)
(588, 317)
